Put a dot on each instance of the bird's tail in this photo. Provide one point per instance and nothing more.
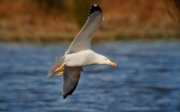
(58, 62)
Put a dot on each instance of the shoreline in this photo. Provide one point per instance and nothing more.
(95, 39)
(27, 22)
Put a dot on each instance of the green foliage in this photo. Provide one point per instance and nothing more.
(74, 9)
(48, 5)
(81, 9)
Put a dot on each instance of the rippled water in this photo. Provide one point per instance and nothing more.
(146, 79)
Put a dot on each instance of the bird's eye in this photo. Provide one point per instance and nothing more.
(106, 59)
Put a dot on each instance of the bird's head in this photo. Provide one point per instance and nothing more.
(108, 62)
(105, 60)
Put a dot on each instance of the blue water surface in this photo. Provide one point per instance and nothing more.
(146, 79)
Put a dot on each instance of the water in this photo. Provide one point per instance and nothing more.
(146, 79)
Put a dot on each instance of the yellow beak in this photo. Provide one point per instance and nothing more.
(112, 64)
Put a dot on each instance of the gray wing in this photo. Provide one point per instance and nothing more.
(58, 62)
(70, 80)
(83, 40)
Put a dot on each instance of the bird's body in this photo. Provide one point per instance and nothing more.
(83, 58)
(79, 54)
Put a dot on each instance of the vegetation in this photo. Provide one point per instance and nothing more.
(45, 21)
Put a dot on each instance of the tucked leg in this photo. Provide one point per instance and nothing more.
(59, 73)
(59, 68)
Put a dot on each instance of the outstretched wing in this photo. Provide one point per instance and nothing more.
(70, 80)
(83, 40)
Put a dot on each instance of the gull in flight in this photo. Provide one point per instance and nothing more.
(79, 54)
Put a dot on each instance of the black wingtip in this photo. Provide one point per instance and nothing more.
(94, 8)
(70, 92)
(64, 96)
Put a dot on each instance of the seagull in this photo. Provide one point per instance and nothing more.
(79, 54)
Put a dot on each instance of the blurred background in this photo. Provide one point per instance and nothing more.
(141, 36)
(60, 21)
